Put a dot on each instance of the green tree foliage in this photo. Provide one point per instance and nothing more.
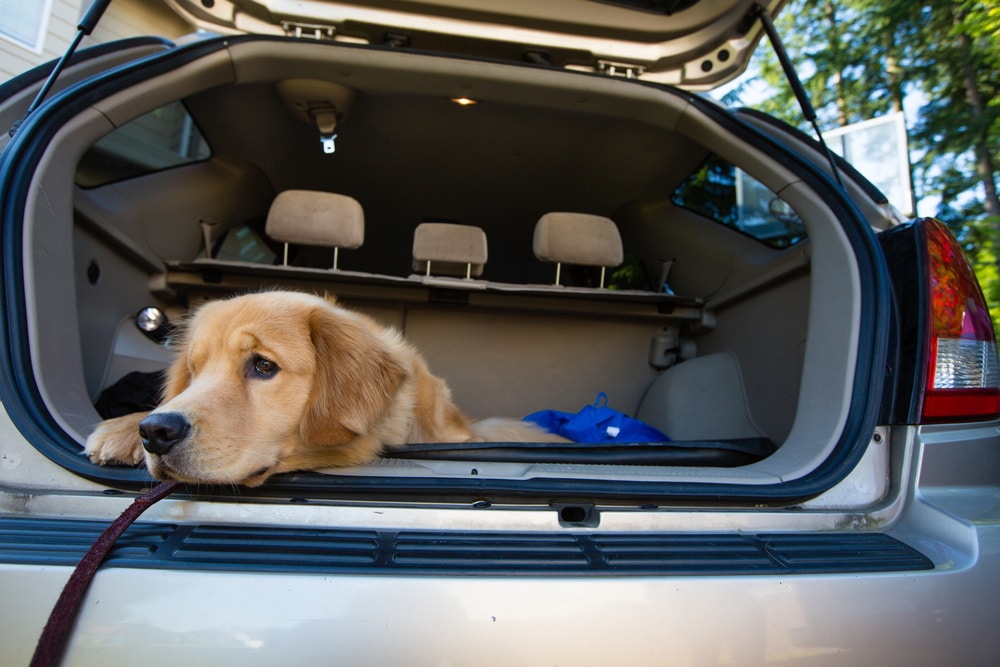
(860, 59)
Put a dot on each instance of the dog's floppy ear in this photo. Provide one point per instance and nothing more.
(177, 377)
(356, 378)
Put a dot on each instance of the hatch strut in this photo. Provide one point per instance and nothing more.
(797, 88)
(86, 26)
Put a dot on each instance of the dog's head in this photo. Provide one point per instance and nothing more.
(267, 383)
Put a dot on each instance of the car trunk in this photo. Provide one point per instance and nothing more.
(757, 338)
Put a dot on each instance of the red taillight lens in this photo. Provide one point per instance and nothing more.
(963, 373)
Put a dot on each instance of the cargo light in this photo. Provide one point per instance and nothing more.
(963, 372)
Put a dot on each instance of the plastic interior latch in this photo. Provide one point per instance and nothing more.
(326, 123)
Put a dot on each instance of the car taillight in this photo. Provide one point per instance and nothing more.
(963, 373)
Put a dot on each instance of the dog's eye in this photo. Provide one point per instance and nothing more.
(264, 368)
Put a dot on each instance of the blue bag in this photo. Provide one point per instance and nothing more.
(597, 424)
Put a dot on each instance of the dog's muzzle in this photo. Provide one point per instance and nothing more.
(161, 431)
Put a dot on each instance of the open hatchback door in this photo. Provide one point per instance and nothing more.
(692, 44)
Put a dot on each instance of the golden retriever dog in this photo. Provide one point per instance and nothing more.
(274, 382)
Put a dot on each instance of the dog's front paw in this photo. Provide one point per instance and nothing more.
(117, 441)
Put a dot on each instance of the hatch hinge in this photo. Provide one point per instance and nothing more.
(309, 30)
(621, 70)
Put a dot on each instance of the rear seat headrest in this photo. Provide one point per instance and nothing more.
(449, 249)
(315, 218)
(578, 238)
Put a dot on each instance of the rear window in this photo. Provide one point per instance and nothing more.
(721, 191)
(163, 138)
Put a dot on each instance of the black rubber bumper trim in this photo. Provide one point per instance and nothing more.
(410, 552)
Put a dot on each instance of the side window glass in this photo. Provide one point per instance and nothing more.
(728, 195)
(163, 138)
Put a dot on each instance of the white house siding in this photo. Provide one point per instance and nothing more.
(16, 58)
(128, 18)
(123, 18)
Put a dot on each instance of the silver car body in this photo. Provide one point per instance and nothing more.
(873, 539)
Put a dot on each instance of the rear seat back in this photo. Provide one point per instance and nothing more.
(441, 248)
(309, 217)
(578, 238)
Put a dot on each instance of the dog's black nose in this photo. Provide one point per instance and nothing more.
(160, 431)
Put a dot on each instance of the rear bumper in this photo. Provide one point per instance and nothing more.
(323, 602)
(284, 581)
(168, 617)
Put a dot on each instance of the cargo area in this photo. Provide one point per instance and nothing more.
(732, 316)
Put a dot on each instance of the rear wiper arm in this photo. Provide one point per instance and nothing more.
(797, 88)
(86, 26)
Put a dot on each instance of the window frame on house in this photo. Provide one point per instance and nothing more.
(8, 8)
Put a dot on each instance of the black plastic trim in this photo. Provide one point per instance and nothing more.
(905, 254)
(268, 549)
(720, 453)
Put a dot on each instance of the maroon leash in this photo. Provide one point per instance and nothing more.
(52, 643)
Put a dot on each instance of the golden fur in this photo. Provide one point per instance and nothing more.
(343, 389)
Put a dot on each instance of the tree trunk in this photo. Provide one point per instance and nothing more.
(985, 168)
(833, 39)
(894, 76)
(984, 160)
